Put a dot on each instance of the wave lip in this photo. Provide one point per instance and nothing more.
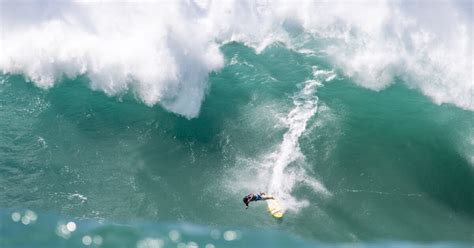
(158, 53)
(164, 51)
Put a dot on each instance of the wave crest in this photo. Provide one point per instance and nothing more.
(164, 51)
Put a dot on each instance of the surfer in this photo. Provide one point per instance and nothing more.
(255, 197)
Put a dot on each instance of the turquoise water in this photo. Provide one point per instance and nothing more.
(374, 168)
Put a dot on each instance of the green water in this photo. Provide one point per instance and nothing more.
(396, 165)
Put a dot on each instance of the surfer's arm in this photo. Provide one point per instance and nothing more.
(265, 197)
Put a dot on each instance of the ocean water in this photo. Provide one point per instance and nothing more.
(144, 124)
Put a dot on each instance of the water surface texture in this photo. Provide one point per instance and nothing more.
(144, 124)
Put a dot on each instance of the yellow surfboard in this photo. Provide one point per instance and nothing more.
(275, 208)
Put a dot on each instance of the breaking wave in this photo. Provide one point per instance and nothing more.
(163, 51)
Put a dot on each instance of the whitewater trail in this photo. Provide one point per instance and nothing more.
(284, 168)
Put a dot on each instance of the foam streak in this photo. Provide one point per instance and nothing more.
(277, 167)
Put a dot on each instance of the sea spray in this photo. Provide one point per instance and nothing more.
(282, 177)
(282, 170)
(163, 52)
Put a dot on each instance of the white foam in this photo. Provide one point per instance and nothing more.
(282, 170)
(277, 170)
(163, 51)
(159, 51)
(427, 45)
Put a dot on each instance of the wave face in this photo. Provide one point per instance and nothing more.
(331, 107)
(163, 52)
(281, 171)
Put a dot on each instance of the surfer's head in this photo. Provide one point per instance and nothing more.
(246, 200)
